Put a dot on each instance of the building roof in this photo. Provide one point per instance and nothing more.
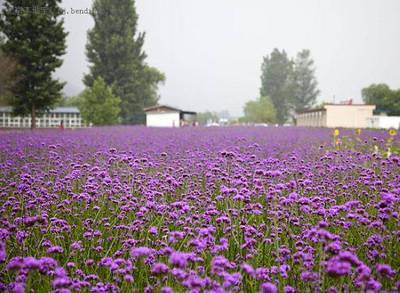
(342, 105)
(311, 110)
(73, 110)
(166, 108)
(65, 110)
(358, 105)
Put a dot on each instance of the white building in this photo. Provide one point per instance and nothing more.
(70, 116)
(166, 116)
(337, 115)
(385, 122)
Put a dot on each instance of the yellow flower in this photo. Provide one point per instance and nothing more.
(358, 131)
(392, 132)
(336, 132)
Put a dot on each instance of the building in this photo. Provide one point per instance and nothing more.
(70, 116)
(337, 115)
(166, 116)
(385, 122)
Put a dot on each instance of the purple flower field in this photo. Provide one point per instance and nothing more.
(134, 209)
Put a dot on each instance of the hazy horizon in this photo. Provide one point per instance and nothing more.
(211, 51)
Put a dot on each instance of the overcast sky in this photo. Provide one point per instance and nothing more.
(211, 50)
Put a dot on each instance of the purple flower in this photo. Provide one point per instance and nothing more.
(337, 267)
(309, 276)
(3, 254)
(248, 269)
(179, 259)
(153, 230)
(128, 278)
(141, 251)
(268, 288)
(289, 289)
(385, 270)
(159, 268)
(55, 249)
(16, 263)
(166, 290)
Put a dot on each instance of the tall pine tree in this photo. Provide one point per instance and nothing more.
(276, 69)
(35, 38)
(304, 84)
(115, 53)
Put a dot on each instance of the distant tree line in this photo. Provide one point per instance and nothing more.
(287, 86)
(387, 100)
(119, 85)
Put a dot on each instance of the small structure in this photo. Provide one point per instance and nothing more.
(385, 122)
(336, 115)
(69, 117)
(166, 116)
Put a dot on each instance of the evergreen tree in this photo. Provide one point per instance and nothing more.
(303, 82)
(98, 105)
(35, 39)
(276, 69)
(115, 53)
(8, 76)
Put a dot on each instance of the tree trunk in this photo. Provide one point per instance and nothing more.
(33, 117)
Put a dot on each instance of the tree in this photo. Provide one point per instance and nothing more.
(35, 39)
(303, 82)
(204, 117)
(73, 101)
(8, 77)
(276, 70)
(261, 110)
(98, 105)
(152, 78)
(386, 100)
(115, 53)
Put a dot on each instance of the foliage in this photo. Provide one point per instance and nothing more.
(8, 78)
(260, 111)
(115, 53)
(73, 101)
(386, 100)
(291, 84)
(276, 70)
(98, 104)
(204, 117)
(303, 82)
(35, 40)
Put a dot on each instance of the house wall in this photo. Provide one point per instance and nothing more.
(170, 119)
(385, 122)
(311, 119)
(350, 116)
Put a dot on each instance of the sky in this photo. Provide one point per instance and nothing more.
(211, 51)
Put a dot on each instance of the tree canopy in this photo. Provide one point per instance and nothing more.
(261, 110)
(304, 86)
(8, 76)
(290, 84)
(98, 105)
(386, 100)
(276, 69)
(36, 41)
(115, 53)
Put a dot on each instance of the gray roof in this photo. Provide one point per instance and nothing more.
(73, 110)
(166, 108)
(162, 107)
